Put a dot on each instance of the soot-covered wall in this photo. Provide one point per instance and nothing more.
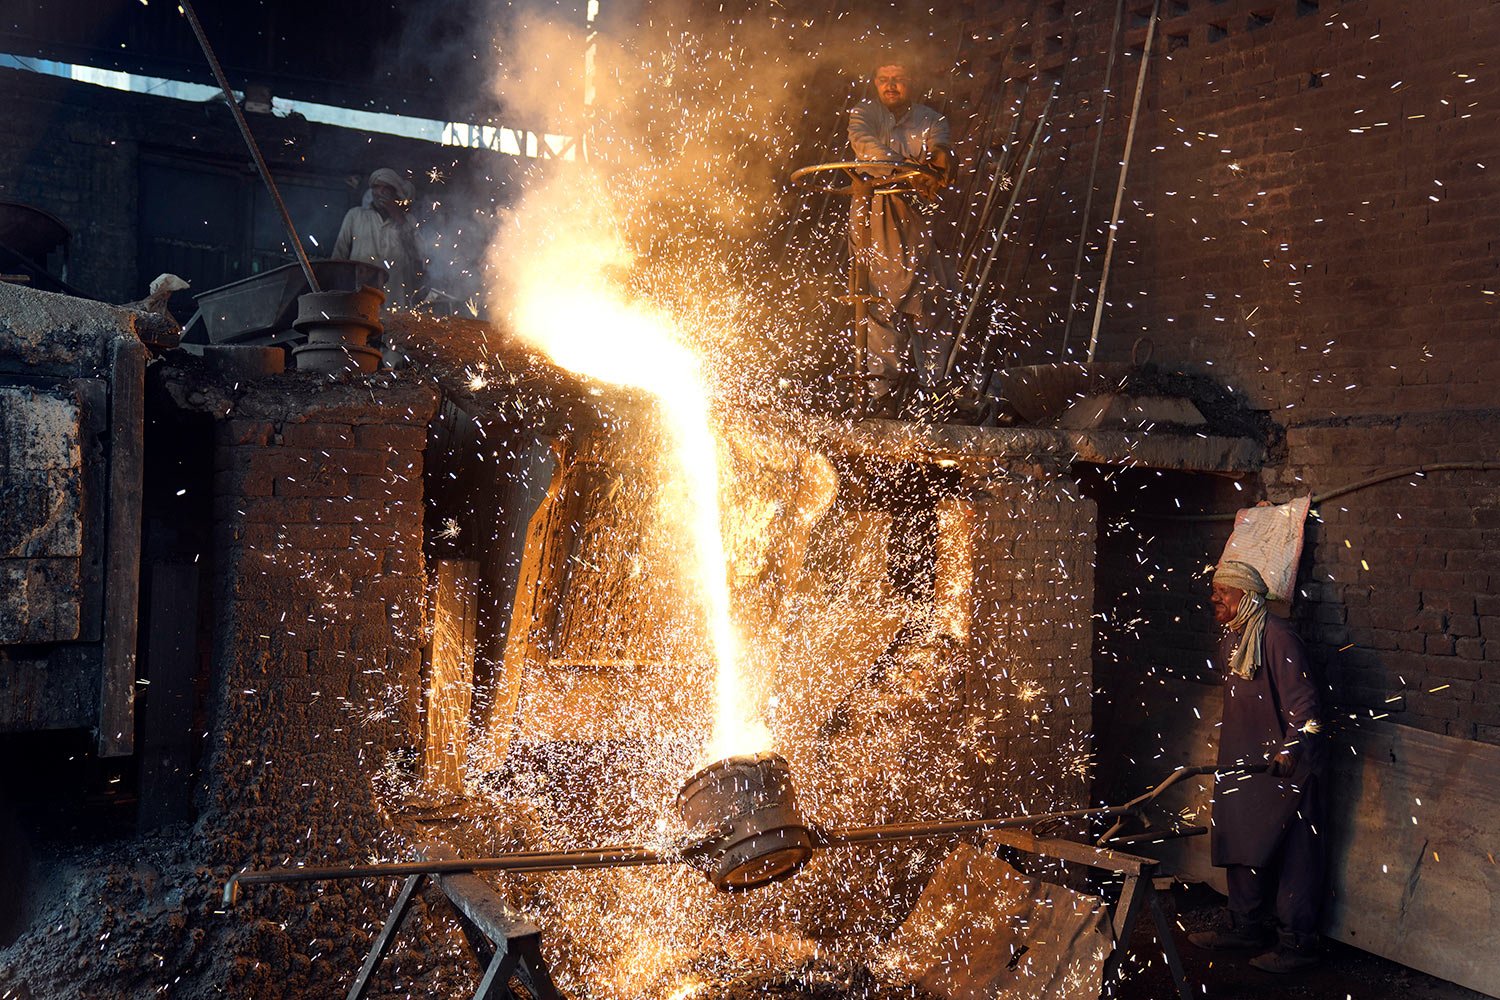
(1309, 216)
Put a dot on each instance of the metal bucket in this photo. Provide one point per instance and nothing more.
(758, 836)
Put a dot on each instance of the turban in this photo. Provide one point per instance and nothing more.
(385, 175)
(1240, 576)
(1250, 619)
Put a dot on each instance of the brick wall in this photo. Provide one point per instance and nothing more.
(1399, 586)
(320, 608)
(1030, 677)
(320, 601)
(1309, 217)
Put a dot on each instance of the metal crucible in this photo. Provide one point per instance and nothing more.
(758, 835)
(338, 326)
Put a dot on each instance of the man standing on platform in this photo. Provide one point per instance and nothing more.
(891, 238)
(380, 231)
(1267, 828)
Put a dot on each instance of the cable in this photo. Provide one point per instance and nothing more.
(1339, 491)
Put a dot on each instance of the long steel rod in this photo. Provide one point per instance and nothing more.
(1359, 484)
(1114, 216)
(244, 126)
(1105, 93)
(524, 861)
(968, 244)
(918, 831)
(984, 275)
(637, 856)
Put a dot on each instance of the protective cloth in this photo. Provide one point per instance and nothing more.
(1276, 711)
(893, 239)
(404, 188)
(1249, 621)
(1240, 576)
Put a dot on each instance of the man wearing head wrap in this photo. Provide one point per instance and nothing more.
(379, 232)
(1267, 828)
(904, 275)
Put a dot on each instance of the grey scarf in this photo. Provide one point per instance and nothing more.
(1250, 622)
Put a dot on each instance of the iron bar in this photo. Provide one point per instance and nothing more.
(1015, 195)
(633, 855)
(1105, 93)
(884, 832)
(1114, 218)
(523, 861)
(989, 343)
(244, 127)
(969, 245)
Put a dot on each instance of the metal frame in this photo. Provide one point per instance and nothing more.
(517, 944)
(1137, 891)
(505, 946)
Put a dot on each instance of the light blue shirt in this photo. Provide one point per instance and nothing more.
(876, 134)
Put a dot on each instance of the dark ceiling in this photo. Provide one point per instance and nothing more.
(430, 58)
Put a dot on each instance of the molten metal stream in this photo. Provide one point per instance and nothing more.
(565, 300)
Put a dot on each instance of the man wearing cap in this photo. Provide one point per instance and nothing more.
(1267, 827)
(888, 234)
(379, 231)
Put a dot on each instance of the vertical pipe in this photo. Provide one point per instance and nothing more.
(1114, 218)
(1088, 200)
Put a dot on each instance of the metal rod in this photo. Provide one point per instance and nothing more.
(1105, 93)
(968, 245)
(971, 245)
(525, 861)
(1015, 195)
(858, 278)
(244, 126)
(970, 182)
(1338, 491)
(942, 828)
(1114, 218)
(636, 856)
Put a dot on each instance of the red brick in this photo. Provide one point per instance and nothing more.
(312, 484)
(1463, 625)
(391, 437)
(244, 432)
(317, 435)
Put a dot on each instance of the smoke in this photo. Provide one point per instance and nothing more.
(697, 119)
(673, 255)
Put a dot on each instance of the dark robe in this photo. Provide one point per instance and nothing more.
(1263, 716)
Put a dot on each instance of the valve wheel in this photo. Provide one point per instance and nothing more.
(898, 181)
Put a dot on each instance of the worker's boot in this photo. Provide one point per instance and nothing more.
(1293, 953)
(1243, 934)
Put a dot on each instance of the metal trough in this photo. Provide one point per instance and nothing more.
(262, 308)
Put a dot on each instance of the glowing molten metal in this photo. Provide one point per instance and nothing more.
(563, 300)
